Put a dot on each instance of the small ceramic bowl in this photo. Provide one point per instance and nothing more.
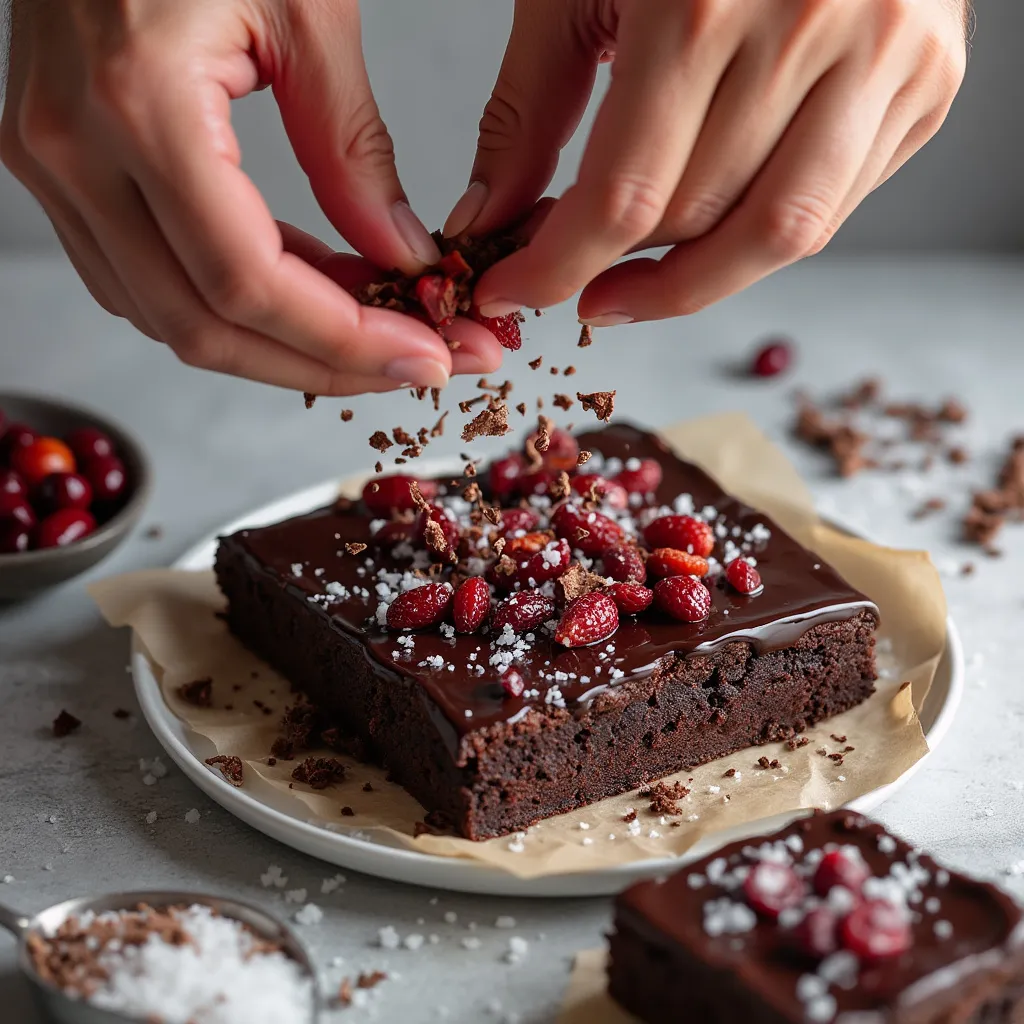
(26, 573)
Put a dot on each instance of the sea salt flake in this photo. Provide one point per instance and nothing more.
(387, 938)
(310, 914)
(192, 816)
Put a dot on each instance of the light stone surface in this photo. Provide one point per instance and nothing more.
(222, 446)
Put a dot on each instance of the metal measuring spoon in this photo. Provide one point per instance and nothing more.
(67, 1009)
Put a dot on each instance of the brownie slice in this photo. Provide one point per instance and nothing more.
(831, 919)
(437, 707)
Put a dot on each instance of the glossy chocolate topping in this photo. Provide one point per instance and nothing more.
(960, 928)
(307, 555)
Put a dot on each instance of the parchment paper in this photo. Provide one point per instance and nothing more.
(173, 614)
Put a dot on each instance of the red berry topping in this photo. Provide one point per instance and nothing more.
(624, 564)
(683, 532)
(64, 527)
(386, 494)
(839, 867)
(107, 475)
(15, 537)
(816, 934)
(772, 359)
(14, 506)
(589, 619)
(642, 480)
(505, 329)
(523, 611)
(876, 930)
(87, 442)
(423, 606)
(545, 565)
(527, 543)
(562, 451)
(12, 484)
(16, 436)
(63, 490)
(441, 538)
(512, 682)
(471, 605)
(515, 519)
(43, 456)
(630, 598)
(770, 888)
(743, 576)
(664, 562)
(504, 475)
(436, 294)
(684, 598)
(590, 532)
(609, 491)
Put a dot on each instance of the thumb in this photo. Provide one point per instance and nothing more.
(341, 142)
(542, 90)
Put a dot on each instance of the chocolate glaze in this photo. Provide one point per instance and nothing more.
(986, 930)
(800, 591)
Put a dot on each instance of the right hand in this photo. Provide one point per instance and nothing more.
(117, 119)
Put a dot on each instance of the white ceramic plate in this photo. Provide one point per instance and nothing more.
(276, 816)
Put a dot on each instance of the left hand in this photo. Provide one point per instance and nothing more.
(741, 132)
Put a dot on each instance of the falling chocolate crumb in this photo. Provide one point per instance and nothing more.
(583, 458)
(569, 371)
(435, 397)
(822, 751)
(535, 364)
(354, 547)
(347, 812)
(586, 336)
(521, 408)
(309, 398)
(538, 312)
(540, 402)
(928, 507)
(367, 787)
(435, 537)
(561, 487)
(957, 456)
(490, 422)
(345, 993)
(437, 430)
(122, 713)
(379, 468)
(602, 403)
(838, 739)
(967, 569)
(630, 815)
(319, 772)
(729, 773)
(65, 724)
(198, 693)
(848, 748)
(371, 980)
(230, 767)
(153, 532)
(470, 469)
(402, 436)
(838, 758)
(346, 415)
(563, 402)
(380, 441)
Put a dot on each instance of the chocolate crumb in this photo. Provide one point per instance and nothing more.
(230, 767)
(967, 569)
(347, 812)
(367, 787)
(490, 422)
(563, 402)
(122, 713)
(345, 993)
(583, 458)
(153, 532)
(65, 724)
(630, 815)
(729, 773)
(271, 761)
(319, 772)
(538, 312)
(535, 364)
(380, 441)
(371, 980)
(838, 739)
(346, 415)
(569, 371)
(437, 430)
(957, 456)
(521, 408)
(354, 547)
(554, 371)
(602, 403)
(198, 693)
(665, 798)
(586, 336)
(309, 398)
(378, 467)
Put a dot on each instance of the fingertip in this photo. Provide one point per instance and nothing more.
(477, 351)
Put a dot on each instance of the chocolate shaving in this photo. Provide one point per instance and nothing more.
(602, 403)
(583, 458)
(437, 430)
(230, 767)
(990, 510)
(354, 547)
(521, 408)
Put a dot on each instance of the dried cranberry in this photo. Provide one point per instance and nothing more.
(684, 598)
(505, 328)
(590, 532)
(664, 562)
(772, 359)
(16, 436)
(503, 476)
(14, 506)
(63, 490)
(682, 532)
(630, 598)
(642, 480)
(817, 934)
(523, 611)
(15, 537)
(88, 442)
(771, 888)
(64, 527)
(743, 576)
(512, 682)
(471, 604)
(107, 475)
(545, 565)
(12, 484)
(624, 564)
(839, 867)
(441, 547)
(436, 294)
(420, 607)
(386, 494)
(588, 620)
(45, 455)
(608, 491)
(515, 519)
(876, 930)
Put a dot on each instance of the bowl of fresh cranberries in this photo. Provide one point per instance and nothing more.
(72, 485)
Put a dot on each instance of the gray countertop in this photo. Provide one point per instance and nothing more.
(73, 811)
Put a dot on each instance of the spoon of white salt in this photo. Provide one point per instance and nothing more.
(166, 957)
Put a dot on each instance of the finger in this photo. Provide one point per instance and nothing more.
(307, 247)
(541, 92)
(785, 211)
(341, 141)
(634, 159)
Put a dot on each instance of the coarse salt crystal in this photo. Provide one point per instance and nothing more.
(309, 914)
(387, 938)
(192, 816)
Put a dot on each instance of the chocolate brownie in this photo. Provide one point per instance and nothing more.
(831, 919)
(497, 728)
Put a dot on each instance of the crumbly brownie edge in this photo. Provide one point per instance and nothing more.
(690, 711)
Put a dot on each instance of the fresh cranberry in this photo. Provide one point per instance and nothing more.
(817, 932)
(876, 930)
(471, 604)
(515, 519)
(682, 532)
(420, 607)
(642, 480)
(88, 443)
(12, 483)
(589, 532)
(63, 490)
(772, 358)
(684, 598)
(386, 494)
(64, 527)
(771, 888)
(16, 436)
(743, 576)
(15, 537)
(441, 546)
(503, 476)
(14, 506)
(608, 491)
(588, 620)
(45, 455)
(838, 867)
(630, 598)
(107, 475)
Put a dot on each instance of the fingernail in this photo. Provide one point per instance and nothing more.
(499, 307)
(466, 210)
(414, 234)
(419, 371)
(606, 320)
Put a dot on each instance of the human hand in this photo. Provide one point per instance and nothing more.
(742, 132)
(117, 119)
